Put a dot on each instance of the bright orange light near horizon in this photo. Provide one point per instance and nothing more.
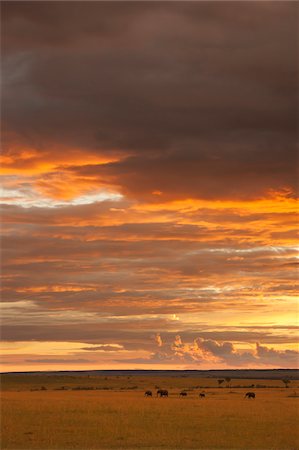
(149, 191)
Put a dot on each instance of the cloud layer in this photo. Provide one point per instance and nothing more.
(185, 99)
(149, 175)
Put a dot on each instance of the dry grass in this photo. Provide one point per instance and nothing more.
(35, 381)
(126, 420)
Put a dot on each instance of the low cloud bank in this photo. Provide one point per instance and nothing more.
(210, 351)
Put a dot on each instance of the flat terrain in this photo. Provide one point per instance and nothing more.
(68, 414)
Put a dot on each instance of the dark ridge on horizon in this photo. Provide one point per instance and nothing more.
(235, 373)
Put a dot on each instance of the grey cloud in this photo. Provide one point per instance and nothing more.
(276, 357)
(193, 99)
(105, 348)
(203, 351)
(219, 349)
(109, 332)
(190, 94)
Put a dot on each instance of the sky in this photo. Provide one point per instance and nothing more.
(149, 173)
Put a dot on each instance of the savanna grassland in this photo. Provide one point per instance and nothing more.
(93, 412)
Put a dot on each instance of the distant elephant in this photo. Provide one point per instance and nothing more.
(148, 394)
(183, 394)
(162, 393)
(250, 395)
(202, 395)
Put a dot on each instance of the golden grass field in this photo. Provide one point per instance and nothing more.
(117, 415)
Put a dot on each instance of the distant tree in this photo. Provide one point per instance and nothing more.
(220, 382)
(286, 382)
(228, 380)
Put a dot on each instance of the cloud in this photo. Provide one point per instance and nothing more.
(162, 112)
(207, 351)
(215, 348)
(276, 357)
(158, 340)
(58, 361)
(149, 166)
(103, 348)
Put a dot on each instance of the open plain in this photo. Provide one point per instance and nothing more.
(91, 412)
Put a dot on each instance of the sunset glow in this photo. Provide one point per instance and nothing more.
(149, 175)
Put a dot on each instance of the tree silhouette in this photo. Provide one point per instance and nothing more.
(228, 380)
(286, 382)
(220, 382)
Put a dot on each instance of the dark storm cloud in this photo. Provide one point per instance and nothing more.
(191, 95)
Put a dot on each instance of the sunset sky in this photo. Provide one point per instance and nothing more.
(149, 175)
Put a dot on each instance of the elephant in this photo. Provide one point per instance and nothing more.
(162, 393)
(250, 395)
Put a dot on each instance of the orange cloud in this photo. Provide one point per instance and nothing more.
(139, 194)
